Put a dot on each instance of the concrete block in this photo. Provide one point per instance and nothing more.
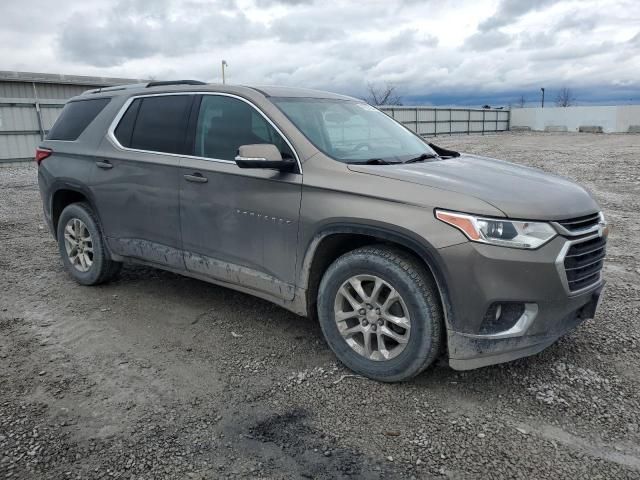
(590, 129)
(517, 128)
(634, 129)
(556, 128)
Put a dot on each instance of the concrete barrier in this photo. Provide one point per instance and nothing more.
(590, 129)
(606, 119)
(555, 128)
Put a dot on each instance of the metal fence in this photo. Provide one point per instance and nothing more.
(433, 121)
(23, 124)
(31, 102)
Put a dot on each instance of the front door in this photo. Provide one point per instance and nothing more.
(238, 225)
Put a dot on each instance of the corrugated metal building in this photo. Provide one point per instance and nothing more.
(30, 103)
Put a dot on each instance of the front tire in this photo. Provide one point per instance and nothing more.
(380, 313)
(82, 247)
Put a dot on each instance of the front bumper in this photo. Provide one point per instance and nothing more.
(479, 275)
(467, 352)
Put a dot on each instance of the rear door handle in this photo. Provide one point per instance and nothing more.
(105, 165)
(196, 177)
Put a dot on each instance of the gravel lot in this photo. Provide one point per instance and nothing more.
(161, 376)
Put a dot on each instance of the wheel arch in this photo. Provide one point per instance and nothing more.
(336, 239)
(65, 194)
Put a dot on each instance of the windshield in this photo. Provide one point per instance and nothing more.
(353, 132)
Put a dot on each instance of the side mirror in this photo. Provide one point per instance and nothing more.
(262, 155)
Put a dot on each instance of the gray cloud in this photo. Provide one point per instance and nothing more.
(145, 28)
(411, 36)
(293, 32)
(423, 46)
(269, 3)
(484, 41)
(510, 10)
(578, 21)
(537, 40)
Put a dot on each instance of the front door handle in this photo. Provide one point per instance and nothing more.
(196, 177)
(104, 165)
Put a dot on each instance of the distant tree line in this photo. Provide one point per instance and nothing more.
(564, 98)
(387, 94)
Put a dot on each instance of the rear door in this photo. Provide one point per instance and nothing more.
(135, 183)
(238, 225)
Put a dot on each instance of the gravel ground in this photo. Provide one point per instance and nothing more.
(161, 376)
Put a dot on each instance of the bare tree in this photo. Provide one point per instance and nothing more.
(521, 102)
(385, 95)
(565, 98)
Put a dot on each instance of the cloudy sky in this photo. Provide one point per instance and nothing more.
(434, 51)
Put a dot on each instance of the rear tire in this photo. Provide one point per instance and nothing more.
(404, 329)
(82, 246)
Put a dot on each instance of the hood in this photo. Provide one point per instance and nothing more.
(520, 192)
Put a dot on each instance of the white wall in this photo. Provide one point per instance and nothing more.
(611, 119)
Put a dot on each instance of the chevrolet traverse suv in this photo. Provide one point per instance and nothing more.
(320, 203)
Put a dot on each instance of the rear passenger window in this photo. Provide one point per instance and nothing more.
(156, 124)
(75, 118)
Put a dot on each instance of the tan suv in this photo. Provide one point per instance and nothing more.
(326, 206)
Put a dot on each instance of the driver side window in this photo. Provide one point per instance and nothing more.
(226, 123)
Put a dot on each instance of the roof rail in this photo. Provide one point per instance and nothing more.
(115, 88)
(174, 82)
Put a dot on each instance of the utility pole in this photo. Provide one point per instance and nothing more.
(224, 64)
(542, 97)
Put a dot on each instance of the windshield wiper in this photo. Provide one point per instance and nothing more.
(373, 161)
(421, 158)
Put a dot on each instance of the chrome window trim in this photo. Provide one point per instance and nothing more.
(562, 272)
(114, 124)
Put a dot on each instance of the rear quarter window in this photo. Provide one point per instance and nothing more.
(75, 118)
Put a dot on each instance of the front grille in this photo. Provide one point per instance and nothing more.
(583, 263)
(580, 223)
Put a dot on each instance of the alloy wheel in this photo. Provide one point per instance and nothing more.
(372, 317)
(78, 244)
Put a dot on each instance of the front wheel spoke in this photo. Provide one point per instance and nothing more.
(402, 322)
(377, 286)
(367, 344)
(387, 332)
(381, 345)
(356, 283)
(69, 231)
(391, 299)
(349, 332)
(83, 262)
(352, 301)
(341, 316)
(70, 239)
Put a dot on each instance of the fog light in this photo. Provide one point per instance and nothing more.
(501, 316)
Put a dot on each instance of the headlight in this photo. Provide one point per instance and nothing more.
(503, 232)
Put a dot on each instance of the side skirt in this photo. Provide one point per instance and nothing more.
(296, 305)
